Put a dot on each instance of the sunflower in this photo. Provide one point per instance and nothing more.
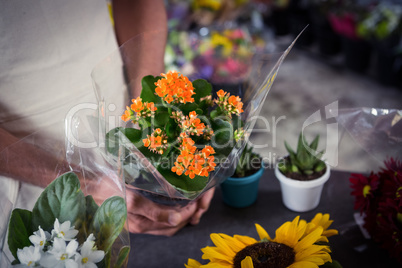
(296, 244)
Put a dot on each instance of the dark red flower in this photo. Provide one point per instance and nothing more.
(363, 190)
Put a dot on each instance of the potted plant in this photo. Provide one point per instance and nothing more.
(241, 190)
(302, 175)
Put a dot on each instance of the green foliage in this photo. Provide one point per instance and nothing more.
(249, 163)
(306, 160)
(20, 229)
(64, 200)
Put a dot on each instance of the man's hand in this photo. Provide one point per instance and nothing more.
(145, 216)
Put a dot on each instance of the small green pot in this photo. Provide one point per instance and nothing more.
(241, 192)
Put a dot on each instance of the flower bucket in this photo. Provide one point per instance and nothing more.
(241, 192)
(301, 196)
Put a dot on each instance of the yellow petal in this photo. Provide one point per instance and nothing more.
(192, 264)
(247, 262)
(261, 232)
(221, 244)
(212, 254)
(246, 240)
(309, 239)
(233, 243)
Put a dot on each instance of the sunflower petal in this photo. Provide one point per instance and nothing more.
(247, 262)
(222, 244)
(213, 254)
(246, 240)
(191, 263)
(309, 239)
(261, 232)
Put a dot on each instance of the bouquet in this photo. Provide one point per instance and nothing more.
(182, 136)
(378, 195)
(379, 198)
(296, 243)
(67, 228)
(179, 131)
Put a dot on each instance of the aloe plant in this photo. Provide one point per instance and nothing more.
(249, 162)
(306, 160)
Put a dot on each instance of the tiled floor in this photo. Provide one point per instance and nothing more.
(307, 83)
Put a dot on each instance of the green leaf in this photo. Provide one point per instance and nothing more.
(62, 199)
(123, 257)
(184, 182)
(202, 89)
(222, 140)
(134, 135)
(188, 107)
(314, 143)
(161, 119)
(112, 141)
(109, 221)
(19, 230)
(148, 90)
(214, 114)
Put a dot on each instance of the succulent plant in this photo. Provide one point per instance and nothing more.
(249, 163)
(306, 160)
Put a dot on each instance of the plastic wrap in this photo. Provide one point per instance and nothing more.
(57, 147)
(377, 131)
(119, 73)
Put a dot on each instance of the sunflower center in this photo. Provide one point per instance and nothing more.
(266, 255)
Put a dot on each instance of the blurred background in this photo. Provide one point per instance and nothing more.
(349, 56)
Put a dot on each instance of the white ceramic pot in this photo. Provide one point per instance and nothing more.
(301, 196)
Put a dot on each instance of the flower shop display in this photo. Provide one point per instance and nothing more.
(182, 137)
(296, 244)
(378, 197)
(68, 229)
(382, 27)
(241, 189)
(302, 175)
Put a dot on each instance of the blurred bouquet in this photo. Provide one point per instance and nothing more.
(379, 198)
(181, 128)
(296, 244)
(68, 229)
(220, 56)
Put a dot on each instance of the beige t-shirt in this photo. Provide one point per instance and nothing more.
(48, 49)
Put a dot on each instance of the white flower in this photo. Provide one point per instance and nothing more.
(64, 230)
(39, 238)
(61, 255)
(89, 255)
(29, 256)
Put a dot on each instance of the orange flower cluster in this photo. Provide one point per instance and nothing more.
(229, 104)
(192, 162)
(175, 87)
(146, 109)
(192, 125)
(156, 142)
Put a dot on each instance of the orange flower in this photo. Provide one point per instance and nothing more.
(229, 104)
(192, 125)
(127, 114)
(146, 109)
(137, 105)
(221, 93)
(174, 87)
(156, 142)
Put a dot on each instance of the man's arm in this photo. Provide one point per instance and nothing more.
(21, 160)
(146, 20)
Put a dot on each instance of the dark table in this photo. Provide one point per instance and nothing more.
(350, 248)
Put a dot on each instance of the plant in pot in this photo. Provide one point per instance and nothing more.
(241, 190)
(302, 175)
